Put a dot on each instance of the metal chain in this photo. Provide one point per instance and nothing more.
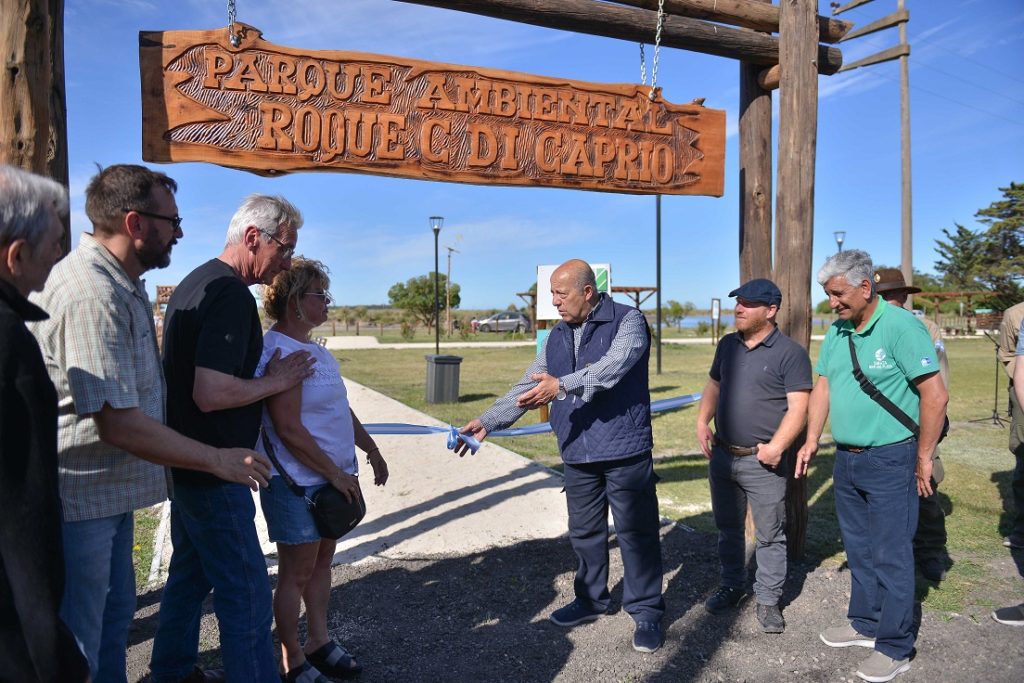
(657, 51)
(235, 39)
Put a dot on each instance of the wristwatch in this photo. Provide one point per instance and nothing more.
(560, 396)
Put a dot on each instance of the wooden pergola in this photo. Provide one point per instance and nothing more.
(33, 128)
(635, 293)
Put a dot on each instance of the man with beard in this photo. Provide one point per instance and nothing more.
(100, 349)
(757, 393)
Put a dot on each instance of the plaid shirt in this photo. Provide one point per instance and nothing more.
(626, 348)
(100, 347)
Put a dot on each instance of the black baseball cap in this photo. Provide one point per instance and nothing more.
(759, 290)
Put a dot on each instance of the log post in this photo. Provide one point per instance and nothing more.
(755, 174)
(794, 218)
(33, 111)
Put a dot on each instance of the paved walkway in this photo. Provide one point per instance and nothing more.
(434, 501)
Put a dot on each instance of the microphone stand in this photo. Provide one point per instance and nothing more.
(996, 419)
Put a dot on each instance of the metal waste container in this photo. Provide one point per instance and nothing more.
(443, 378)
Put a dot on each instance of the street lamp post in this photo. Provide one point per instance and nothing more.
(840, 236)
(435, 224)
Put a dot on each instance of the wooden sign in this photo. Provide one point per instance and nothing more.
(271, 109)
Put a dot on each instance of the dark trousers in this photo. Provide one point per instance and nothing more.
(930, 539)
(628, 487)
(735, 481)
(876, 503)
(1017, 448)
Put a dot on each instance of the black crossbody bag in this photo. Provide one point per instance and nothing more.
(878, 397)
(333, 514)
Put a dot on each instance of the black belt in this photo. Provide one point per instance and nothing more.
(861, 449)
(736, 450)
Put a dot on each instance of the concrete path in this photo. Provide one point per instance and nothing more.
(434, 501)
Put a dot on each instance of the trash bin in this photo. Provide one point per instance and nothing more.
(443, 378)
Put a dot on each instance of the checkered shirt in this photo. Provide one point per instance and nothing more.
(626, 348)
(100, 347)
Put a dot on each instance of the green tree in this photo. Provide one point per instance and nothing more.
(991, 258)
(674, 312)
(416, 297)
(823, 308)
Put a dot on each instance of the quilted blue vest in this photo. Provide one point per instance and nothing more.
(616, 424)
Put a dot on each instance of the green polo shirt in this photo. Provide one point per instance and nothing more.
(893, 350)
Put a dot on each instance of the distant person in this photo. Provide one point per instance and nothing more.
(313, 433)
(100, 349)
(593, 370)
(212, 343)
(1014, 615)
(930, 539)
(757, 394)
(37, 645)
(881, 466)
(1009, 338)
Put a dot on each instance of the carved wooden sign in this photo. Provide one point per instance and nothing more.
(272, 109)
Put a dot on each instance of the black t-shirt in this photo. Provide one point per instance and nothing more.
(753, 385)
(212, 323)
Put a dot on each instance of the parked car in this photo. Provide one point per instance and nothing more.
(509, 321)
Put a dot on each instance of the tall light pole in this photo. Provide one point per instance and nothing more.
(840, 236)
(435, 224)
(448, 293)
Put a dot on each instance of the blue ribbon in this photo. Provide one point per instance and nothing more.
(457, 439)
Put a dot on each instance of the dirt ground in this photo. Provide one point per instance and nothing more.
(483, 617)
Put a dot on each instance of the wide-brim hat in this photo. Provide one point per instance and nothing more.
(891, 280)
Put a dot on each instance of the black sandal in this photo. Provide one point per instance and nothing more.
(334, 661)
(304, 674)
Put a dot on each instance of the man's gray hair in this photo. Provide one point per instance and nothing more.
(25, 200)
(268, 213)
(855, 265)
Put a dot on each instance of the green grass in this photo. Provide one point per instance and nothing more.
(146, 522)
(975, 454)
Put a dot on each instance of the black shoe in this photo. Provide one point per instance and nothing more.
(647, 636)
(771, 619)
(205, 676)
(573, 614)
(932, 569)
(724, 598)
(1014, 540)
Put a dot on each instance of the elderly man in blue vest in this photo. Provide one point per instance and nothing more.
(593, 371)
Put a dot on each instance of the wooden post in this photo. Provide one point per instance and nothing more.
(906, 240)
(755, 175)
(794, 219)
(33, 112)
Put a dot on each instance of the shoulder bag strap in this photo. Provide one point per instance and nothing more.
(877, 396)
(269, 448)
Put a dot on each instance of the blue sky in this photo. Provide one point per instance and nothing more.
(967, 109)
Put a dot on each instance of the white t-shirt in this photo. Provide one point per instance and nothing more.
(325, 411)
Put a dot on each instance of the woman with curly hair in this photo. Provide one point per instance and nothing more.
(313, 433)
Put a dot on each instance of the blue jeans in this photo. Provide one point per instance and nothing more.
(876, 502)
(99, 591)
(734, 481)
(628, 487)
(215, 547)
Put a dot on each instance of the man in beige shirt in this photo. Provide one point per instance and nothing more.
(930, 539)
(1009, 332)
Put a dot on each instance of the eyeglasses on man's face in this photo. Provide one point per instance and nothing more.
(175, 221)
(286, 250)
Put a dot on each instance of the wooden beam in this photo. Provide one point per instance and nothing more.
(25, 83)
(849, 6)
(759, 15)
(893, 19)
(794, 218)
(755, 190)
(879, 57)
(634, 24)
(769, 78)
(57, 146)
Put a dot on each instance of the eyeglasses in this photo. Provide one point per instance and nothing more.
(286, 250)
(174, 220)
(326, 296)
